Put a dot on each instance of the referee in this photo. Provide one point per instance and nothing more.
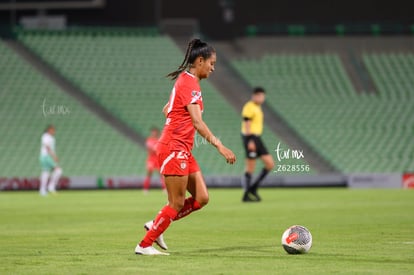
(251, 130)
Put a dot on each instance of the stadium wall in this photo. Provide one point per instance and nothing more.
(360, 180)
(235, 18)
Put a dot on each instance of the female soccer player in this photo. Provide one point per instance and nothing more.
(181, 171)
(152, 159)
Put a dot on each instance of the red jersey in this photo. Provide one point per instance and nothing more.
(150, 143)
(179, 130)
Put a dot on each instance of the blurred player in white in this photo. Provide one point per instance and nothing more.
(51, 171)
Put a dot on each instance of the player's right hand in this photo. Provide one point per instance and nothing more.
(227, 154)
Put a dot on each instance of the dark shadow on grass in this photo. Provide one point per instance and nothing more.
(263, 252)
(358, 259)
(229, 251)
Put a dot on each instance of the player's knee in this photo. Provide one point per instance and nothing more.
(270, 164)
(203, 200)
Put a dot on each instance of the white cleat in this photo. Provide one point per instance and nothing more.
(160, 240)
(150, 250)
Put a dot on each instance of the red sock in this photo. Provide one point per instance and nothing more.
(161, 223)
(190, 205)
(147, 183)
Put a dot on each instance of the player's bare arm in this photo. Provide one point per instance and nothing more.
(204, 131)
(165, 109)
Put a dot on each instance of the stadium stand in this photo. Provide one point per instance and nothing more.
(110, 65)
(124, 72)
(85, 144)
(355, 131)
(224, 121)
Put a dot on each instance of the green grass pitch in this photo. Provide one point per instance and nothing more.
(95, 232)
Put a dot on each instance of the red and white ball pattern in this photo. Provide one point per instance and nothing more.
(297, 239)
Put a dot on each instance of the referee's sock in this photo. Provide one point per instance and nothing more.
(246, 181)
(246, 186)
(259, 179)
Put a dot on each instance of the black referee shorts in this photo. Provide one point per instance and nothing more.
(260, 147)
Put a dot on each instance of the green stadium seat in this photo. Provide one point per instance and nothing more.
(356, 132)
(124, 71)
(85, 144)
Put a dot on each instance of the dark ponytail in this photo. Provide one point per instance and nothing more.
(195, 48)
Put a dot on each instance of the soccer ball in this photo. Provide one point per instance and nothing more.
(297, 239)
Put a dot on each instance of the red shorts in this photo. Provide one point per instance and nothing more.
(177, 163)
